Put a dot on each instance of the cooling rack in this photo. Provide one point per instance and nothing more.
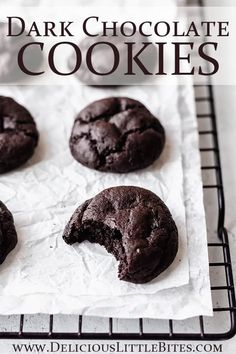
(221, 326)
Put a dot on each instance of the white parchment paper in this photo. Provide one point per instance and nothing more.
(43, 195)
(193, 299)
(45, 275)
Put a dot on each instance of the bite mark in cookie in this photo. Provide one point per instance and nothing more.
(134, 225)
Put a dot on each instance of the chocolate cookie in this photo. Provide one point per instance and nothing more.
(116, 134)
(9, 49)
(102, 59)
(131, 223)
(18, 134)
(8, 236)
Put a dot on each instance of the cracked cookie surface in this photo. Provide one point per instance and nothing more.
(18, 134)
(8, 236)
(134, 225)
(116, 134)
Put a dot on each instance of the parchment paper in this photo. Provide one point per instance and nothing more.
(45, 275)
(193, 299)
(43, 195)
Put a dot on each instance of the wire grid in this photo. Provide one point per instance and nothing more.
(223, 323)
(222, 286)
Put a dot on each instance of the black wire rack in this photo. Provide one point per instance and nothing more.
(220, 266)
(222, 325)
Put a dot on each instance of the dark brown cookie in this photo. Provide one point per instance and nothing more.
(18, 134)
(9, 49)
(8, 236)
(102, 59)
(116, 134)
(131, 223)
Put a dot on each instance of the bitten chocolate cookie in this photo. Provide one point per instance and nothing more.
(18, 134)
(8, 236)
(9, 49)
(103, 53)
(131, 223)
(116, 134)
